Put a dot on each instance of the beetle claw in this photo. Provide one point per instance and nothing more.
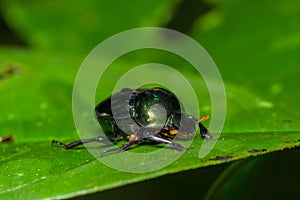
(179, 147)
(206, 136)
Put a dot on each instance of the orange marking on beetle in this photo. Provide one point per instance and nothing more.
(133, 138)
(173, 132)
(203, 119)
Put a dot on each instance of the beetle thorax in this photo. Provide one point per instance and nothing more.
(153, 108)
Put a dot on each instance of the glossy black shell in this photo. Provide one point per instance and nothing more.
(152, 108)
(129, 111)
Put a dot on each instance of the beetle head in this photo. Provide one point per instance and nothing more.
(183, 124)
(186, 126)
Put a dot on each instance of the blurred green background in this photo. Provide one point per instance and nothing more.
(255, 44)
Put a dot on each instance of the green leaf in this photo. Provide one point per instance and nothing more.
(46, 171)
(36, 99)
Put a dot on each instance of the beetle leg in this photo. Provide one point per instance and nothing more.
(79, 142)
(179, 147)
(124, 147)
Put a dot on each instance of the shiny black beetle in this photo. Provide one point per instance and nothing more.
(143, 115)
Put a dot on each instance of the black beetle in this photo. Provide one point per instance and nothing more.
(141, 115)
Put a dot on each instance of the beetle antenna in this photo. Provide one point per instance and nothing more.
(203, 119)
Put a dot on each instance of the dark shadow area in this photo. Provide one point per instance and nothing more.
(184, 185)
(7, 35)
(186, 13)
(278, 177)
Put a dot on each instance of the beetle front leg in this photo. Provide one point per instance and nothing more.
(179, 147)
(205, 134)
(79, 142)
